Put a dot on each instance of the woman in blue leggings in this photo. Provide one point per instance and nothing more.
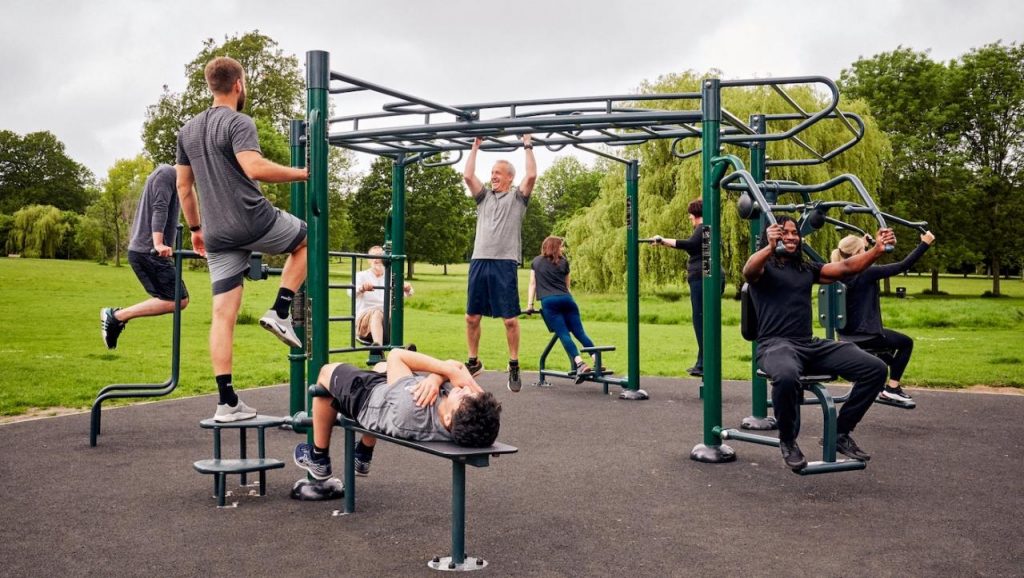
(549, 281)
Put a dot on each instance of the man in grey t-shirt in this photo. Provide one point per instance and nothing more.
(444, 404)
(497, 249)
(219, 152)
(155, 228)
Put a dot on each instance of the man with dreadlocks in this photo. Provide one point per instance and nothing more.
(780, 285)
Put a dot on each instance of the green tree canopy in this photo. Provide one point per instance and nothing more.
(39, 231)
(668, 184)
(35, 170)
(120, 197)
(990, 123)
(915, 103)
(439, 215)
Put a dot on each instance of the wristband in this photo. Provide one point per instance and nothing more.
(528, 147)
(195, 228)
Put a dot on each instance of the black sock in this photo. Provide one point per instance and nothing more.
(364, 452)
(283, 302)
(513, 362)
(320, 453)
(226, 391)
(471, 361)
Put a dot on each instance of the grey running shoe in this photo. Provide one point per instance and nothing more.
(110, 327)
(229, 413)
(319, 468)
(515, 383)
(282, 328)
(362, 467)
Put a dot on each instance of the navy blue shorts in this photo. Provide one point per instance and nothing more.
(493, 288)
(156, 275)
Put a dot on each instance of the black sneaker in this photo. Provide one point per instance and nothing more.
(895, 394)
(696, 371)
(475, 367)
(846, 446)
(792, 455)
(514, 381)
(362, 466)
(110, 327)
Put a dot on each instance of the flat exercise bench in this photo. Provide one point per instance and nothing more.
(460, 456)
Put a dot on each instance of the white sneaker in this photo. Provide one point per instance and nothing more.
(228, 413)
(282, 328)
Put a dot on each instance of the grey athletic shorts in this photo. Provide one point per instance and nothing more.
(228, 267)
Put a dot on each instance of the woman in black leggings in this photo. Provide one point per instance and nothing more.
(864, 313)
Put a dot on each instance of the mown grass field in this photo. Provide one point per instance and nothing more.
(51, 353)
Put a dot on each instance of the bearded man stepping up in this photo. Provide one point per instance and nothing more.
(219, 153)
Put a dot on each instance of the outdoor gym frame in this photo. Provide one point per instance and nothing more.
(414, 129)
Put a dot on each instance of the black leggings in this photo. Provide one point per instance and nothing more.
(901, 345)
(785, 360)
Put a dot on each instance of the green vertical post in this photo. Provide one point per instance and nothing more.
(712, 450)
(397, 218)
(632, 275)
(758, 169)
(297, 355)
(317, 83)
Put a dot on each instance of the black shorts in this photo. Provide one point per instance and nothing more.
(156, 275)
(350, 387)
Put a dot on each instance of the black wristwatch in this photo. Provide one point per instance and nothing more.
(195, 228)
(528, 147)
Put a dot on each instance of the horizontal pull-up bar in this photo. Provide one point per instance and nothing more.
(408, 98)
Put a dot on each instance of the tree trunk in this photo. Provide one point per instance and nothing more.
(935, 281)
(446, 268)
(409, 270)
(995, 276)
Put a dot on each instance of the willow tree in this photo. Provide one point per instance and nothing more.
(668, 184)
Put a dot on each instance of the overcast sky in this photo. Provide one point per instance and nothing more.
(87, 70)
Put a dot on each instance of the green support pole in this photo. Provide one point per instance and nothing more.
(397, 218)
(317, 82)
(712, 450)
(758, 420)
(632, 390)
(297, 355)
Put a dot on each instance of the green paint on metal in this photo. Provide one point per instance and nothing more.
(710, 149)
(632, 275)
(317, 81)
(297, 356)
(397, 218)
(758, 385)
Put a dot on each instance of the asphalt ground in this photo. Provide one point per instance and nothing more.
(600, 487)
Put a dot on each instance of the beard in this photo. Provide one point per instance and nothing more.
(241, 101)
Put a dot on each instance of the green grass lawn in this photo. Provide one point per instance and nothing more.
(52, 354)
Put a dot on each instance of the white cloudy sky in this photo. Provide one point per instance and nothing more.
(86, 70)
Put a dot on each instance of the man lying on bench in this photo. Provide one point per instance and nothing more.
(446, 404)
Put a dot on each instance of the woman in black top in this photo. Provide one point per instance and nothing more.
(864, 312)
(693, 277)
(549, 281)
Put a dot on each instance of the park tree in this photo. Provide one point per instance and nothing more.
(39, 231)
(566, 187)
(439, 215)
(915, 103)
(119, 198)
(990, 124)
(597, 234)
(36, 170)
(275, 94)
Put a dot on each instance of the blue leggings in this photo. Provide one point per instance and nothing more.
(562, 316)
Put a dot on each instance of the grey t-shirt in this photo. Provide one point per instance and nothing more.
(392, 410)
(499, 224)
(157, 211)
(234, 210)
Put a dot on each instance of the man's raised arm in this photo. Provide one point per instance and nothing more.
(469, 173)
(754, 266)
(530, 178)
